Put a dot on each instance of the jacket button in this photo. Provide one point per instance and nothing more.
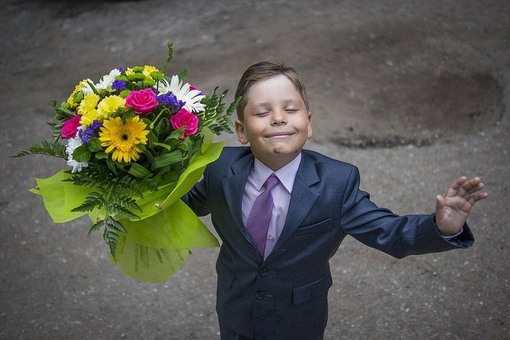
(263, 271)
(259, 295)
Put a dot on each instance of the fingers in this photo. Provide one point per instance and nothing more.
(477, 197)
(467, 189)
(473, 188)
(456, 186)
(440, 202)
(464, 187)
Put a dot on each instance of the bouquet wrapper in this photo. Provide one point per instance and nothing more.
(156, 245)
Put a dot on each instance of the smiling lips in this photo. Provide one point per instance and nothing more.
(279, 135)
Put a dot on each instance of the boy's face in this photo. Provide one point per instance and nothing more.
(276, 122)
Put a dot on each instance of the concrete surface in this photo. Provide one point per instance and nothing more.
(415, 93)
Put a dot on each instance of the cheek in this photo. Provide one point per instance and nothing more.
(253, 130)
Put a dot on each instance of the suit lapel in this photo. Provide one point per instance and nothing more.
(302, 198)
(233, 187)
(301, 201)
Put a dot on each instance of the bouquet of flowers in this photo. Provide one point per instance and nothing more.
(135, 142)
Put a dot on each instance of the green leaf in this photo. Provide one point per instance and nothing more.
(139, 171)
(111, 165)
(78, 96)
(176, 134)
(124, 212)
(62, 110)
(214, 116)
(82, 153)
(100, 155)
(163, 145)
(97, 226)
(166, 159)
(111, 238)
(114, 224)
(93, 200)
(46, 148)
(94, 145)
(156, 75)
(182, 75)
(233, 106)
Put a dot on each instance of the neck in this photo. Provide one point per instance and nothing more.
(277, 161)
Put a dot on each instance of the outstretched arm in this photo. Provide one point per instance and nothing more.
(453, 209)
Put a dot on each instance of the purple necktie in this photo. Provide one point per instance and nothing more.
(260, 215)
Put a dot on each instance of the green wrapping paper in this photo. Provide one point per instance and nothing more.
(155, 248)
(157, 244)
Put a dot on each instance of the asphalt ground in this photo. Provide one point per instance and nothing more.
(414, 93)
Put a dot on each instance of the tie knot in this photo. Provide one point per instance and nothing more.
(271, 182)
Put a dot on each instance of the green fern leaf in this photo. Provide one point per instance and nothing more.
(46, 148)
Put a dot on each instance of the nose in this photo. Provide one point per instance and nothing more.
(279, 117)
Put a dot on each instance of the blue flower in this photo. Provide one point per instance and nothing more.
(89, 132)
(119, 85)
(169, 99)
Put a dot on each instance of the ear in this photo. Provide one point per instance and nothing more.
(241, 135)
(310, 132)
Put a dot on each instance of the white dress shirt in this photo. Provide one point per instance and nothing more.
(281, 196)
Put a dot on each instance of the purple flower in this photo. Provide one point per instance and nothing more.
(89, 132)
(119, 85)
(169, 99)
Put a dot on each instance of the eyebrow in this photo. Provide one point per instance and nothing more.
(292, 101)
(266, 104)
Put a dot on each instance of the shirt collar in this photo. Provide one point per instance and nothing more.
(286, 174)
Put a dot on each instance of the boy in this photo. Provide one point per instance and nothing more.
(273, 279)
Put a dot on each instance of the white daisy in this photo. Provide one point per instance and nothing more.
(106, 82)
(85, 86)
(72, 144)
(191, 98)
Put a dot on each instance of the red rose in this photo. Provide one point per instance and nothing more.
(185, 118)
(70, 127)
(142, 101)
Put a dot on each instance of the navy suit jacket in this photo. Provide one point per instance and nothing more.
(285, 296)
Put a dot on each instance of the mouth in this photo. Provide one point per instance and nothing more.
(279, 135)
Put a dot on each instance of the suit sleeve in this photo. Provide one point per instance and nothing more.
(398, 236)
(196, 198)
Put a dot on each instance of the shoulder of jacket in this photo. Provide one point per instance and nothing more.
(233, 151)
(320, 158)
(230, 155)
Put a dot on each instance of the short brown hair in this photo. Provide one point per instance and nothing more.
(262, 71)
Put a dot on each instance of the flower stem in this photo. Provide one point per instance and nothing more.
(153, 123)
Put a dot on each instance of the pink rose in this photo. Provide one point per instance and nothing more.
(192, 88)
(142, 101)
(70, 127)
(185, 118)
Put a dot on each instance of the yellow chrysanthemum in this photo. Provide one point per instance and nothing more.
(110, 105)
(123, 139)
(147, 70)
(89, 118)
(88, 109)
(77, 88)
